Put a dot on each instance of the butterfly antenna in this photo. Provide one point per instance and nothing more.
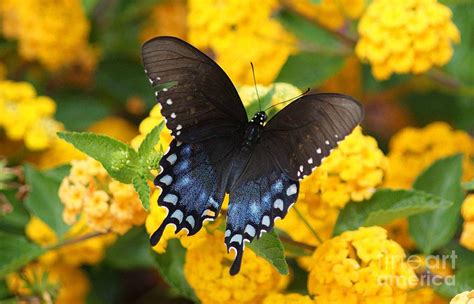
(255, 85)
(288, 100)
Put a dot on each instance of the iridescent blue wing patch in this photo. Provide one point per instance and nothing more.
(255, 204)
(189, 188)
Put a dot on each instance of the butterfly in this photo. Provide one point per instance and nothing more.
(217, 150)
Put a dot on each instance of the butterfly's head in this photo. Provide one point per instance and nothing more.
(259, 118)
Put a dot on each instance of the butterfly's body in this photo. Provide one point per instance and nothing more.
(216, 150)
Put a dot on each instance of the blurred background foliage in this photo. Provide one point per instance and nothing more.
(84, 55)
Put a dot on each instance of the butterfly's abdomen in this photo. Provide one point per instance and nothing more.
(252, 134)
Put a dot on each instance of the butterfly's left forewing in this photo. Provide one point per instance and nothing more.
(197, 98)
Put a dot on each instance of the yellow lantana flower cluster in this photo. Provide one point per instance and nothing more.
(72, 283)
(467, 211)
(329, 13)
(54, 32)
(360, 266)
(291, 298)
(417, 149)
(168, 18)
(106, 204)
(352, 172)
(207, 270)
(26, 116)
(466, 297)
(90, 251)
(407, 36)
(232, 29)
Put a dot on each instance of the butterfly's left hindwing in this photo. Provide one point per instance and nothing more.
(190, 188)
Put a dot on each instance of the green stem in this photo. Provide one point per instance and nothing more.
(77, 240)
(308, 225)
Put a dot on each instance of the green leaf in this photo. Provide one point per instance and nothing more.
(15, 220)
(462, 281)
(309, 69)
(464, 257)
(385, 206)
(141, 186)
(308, 33)
(146, 151)
(120, 160)
(15, 252)
(434, 229)
(43, 200)
(131, 250)
(78, 110)
(171, 267)
(271, 249)
(89, 5)
(468, 186)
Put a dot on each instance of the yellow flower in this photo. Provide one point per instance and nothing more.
(360, 266)
(352, 172)
(231, 29)
(329, 13)
(347, 81)
(115, 127)
(291, 298)
(57, 37)
(168, 18)
(72, 282)
(25, 116)
(467, 211)
(207, 270)
(90, 251)
(154, 119)
(106, 205)
(408, 36)
(417, 149)
(424, 295)
(3, 71)
(466, 297)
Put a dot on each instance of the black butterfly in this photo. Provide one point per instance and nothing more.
(216, 150)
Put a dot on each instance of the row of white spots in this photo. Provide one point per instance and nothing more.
(172, 159)
(167, 180)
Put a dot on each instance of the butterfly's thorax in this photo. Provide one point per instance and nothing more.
(254, 129)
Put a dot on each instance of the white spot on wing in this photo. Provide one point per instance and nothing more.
(278, 204)
(190, 220)
(170, 198)
(301, 168)
(166, 180)
(173, 115)
(165, 89)
(168, 101)
(266, 221)
(178, 214)
(291, 190)
(318, 151)
(236, 238)
(179, 127)
(310, 161)
(250, 230)
(172, 159)
(179, 132)
(227, 233)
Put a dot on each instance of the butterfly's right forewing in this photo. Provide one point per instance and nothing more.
(305, 132)
(197, 98)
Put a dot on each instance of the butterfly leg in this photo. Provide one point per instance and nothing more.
(189, 189)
